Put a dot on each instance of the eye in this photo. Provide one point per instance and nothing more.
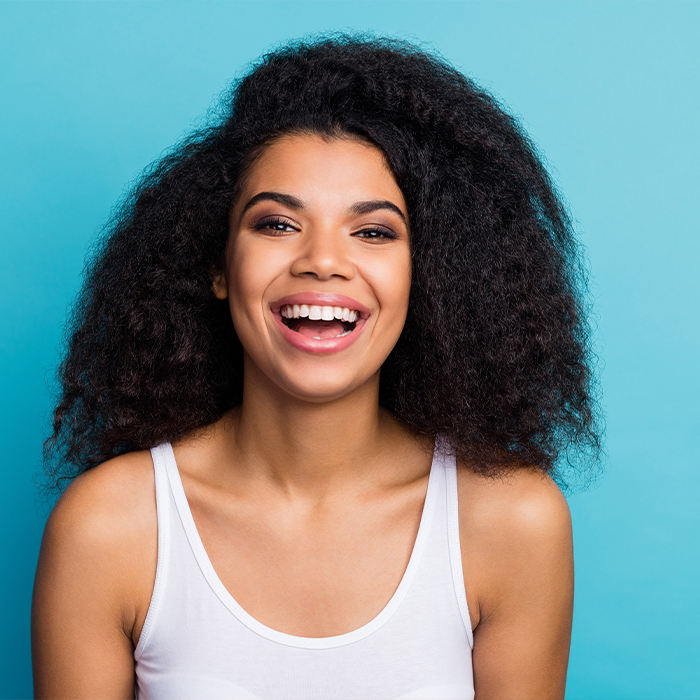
(375, 233)
(274, 225)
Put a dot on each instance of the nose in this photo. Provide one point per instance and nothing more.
(323, 255)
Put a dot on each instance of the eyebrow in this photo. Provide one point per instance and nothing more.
(374, 205)
(286, 199)
(294, 203)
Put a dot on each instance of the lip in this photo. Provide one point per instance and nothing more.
(326, 345)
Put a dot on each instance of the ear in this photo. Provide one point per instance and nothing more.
(218, 282)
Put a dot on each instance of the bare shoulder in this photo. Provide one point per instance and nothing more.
(107, 502)
(517, 557)
(94, 581)
(516, 539)
(100, 541)
(521, 506)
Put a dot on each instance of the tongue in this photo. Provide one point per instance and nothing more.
(319, 329)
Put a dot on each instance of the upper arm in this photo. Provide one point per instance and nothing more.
(518, 562)
(93, 570)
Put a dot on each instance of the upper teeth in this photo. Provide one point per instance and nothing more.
(319, 313)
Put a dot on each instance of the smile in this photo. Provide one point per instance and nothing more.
(320, 322)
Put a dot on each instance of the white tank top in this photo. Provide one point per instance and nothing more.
(197, 641)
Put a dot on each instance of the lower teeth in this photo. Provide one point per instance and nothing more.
(318, 337)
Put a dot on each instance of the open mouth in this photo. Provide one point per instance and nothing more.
(319, 322)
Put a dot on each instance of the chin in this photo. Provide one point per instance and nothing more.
(313, 379)
(319, 392)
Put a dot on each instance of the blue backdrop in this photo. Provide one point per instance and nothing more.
(92, 92)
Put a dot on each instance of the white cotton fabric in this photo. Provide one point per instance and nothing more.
(198, 643)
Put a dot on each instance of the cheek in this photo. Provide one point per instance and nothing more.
(395, 280)
(247, 281)
(390, 280)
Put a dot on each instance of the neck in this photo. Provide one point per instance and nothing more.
(310, 448)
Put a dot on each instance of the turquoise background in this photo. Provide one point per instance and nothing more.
(92, 92)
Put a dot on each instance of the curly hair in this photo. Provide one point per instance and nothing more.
(495, 353)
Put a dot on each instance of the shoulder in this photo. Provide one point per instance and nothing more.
(516, 539)
(100, 541)
(94, 581)
(111, 499)
(521, 505)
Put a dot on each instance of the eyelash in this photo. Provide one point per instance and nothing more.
(377, 233)
(269, 223)
(384, 233)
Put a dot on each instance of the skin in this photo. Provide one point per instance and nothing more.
(308, 496)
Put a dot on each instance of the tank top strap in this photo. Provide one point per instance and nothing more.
(449, 464)
(160, 455)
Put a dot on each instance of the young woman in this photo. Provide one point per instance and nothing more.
(319, 379)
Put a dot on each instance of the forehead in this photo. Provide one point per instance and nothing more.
(323, 170)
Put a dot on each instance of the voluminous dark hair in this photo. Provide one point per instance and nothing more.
(495, 352)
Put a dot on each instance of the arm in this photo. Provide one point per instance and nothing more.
(97, 560)
(518, 562)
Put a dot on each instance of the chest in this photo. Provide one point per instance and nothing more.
(312, 573)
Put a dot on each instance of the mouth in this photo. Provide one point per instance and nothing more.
(319, 322)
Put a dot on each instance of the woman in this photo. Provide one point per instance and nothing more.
(347, 323)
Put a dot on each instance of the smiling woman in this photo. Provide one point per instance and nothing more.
(314, 334)
(319, 223)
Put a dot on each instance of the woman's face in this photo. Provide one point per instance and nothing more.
(318, 268)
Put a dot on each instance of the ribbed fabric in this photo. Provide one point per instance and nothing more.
(197, 642)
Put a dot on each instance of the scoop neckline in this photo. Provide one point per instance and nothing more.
(284, 638)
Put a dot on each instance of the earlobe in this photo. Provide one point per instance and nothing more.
(218, 283)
